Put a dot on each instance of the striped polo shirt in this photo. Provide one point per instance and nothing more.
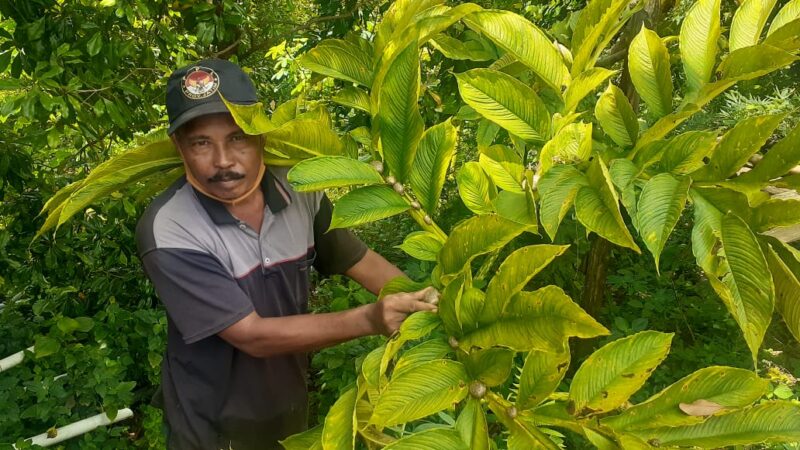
(211, 270)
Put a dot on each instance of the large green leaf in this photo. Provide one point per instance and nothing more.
(112, 175)
(524, 435)
(420, 391)
(597, 24)
(685, 152)
(789, 12)
(429, 350)
(584, 84)
(304, 138)
(470, 49)
(648, 61)
(737, 146)
(767, 422)
(438, 438)
(776, 212)
(610, 375)
(475, 188)
(616, 116)
(748, 22)
(597, 207)
(749, 292)
(438, 21)
(780, 158)
(435, 152)
(490, 366)
(400, 15)
(416, 326)
(519, 37)
(340, 59)
(557, 191)
(541, 375)
(367, 204)
(422, 245)
(471, 424)
(785, 268)
(353, 97)
(541, 320)
(513, 274)
(787, 37)
(503, 166)
(505, 101)
(338, 430)
(698, 42)
(752, 62)
(572, 143)
(517, 207)
(660, 206)
(325, 172)
(726, 386)
(473, 237)
(623, 174)
(398, 118)
(307, 440)
(470, 307)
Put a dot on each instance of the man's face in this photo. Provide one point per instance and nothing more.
(223, 159)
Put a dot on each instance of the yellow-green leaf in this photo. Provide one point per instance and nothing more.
(513, 274)
(307, 440)
(768, 422)
(597, 207)
(338, 431)
(471, 424)
(420, 391)
(572, 143)
(541, 375)
(325, 172)
(584, 84)
(490, 366)
(557, 191)
(610, 375)
(748, 22)
(516, 35)
(597, 24)
(616, 116)
(434, 154)
(648, 61)
(728, 387)
(660, 206)
(505, 101)
(503, 166)
(698, 42)
(475, 189)
(353, 97)
(429, 350)
(438, 438)
(789, 12)
(779, 159)
(367, 204)
(685, 152)
(476, 236)
(542, 320)
(787, 285)
(340, 59)
(422, 245)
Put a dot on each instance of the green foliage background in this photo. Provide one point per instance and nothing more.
(83, 80)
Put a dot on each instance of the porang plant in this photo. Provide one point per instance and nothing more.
(495, 345)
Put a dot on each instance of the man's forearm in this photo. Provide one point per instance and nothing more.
(271, 336)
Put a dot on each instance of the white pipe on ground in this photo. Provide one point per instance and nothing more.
(78, 428)
(11, 361)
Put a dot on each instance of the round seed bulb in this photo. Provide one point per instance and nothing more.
(378, 166)
(391, 180)
(432, 296)
(477, 389)
(398, 188)
(453, 342)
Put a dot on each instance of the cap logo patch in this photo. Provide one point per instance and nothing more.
(200, 82)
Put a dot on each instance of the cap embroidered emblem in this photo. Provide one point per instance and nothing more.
(200, 82)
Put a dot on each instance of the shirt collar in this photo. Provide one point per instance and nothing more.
(276, 198)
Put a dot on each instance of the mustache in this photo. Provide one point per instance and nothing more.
(225, 175)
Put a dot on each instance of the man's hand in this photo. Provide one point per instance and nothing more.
(388, 313)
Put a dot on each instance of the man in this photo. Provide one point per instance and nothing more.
(228, 250)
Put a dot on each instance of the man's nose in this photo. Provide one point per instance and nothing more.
(222, 158)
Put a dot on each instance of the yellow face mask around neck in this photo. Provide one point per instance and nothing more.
(231, 202)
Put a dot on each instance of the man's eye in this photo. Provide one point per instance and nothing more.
(238, 137)
(200, 143)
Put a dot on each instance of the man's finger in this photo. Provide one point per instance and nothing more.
(423, 306)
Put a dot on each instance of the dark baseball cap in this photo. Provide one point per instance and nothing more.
(194, 90)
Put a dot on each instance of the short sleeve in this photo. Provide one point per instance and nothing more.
(201, 297)
(337, 250)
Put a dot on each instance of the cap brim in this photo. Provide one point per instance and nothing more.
(197, 111)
